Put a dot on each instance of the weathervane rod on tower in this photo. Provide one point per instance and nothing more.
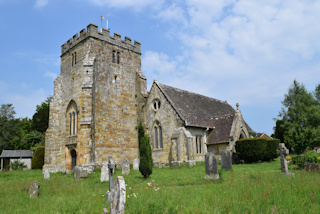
(102, 18)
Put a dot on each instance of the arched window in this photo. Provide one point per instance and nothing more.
(156, 104)
(198, 144)
(72, 118)
(158, 144)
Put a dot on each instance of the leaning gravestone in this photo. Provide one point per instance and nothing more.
(211, 166)
(136, 163)
(46, 174)
(125, 167)
(226, 160)
(283, 152)
(111, 167)
(104, 172)
(79, 173)
(34, 189)
(117, 197)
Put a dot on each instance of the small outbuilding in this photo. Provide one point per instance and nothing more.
(9, 156)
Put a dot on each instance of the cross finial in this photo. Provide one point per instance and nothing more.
(237, 106)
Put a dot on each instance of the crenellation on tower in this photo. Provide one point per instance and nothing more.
(104, 35)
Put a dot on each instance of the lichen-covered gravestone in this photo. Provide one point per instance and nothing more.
(118, 199)
(211, 166)
(125, 167)
(136, 163)
(34, 189)
(79, 172)
(226, 160)
(283, 152)
(104, 172)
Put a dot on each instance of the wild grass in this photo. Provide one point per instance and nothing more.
(248, 188)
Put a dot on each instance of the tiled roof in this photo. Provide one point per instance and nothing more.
(195, 109)
(221, 132)
(16, 154)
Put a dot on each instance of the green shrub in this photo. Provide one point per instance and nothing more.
(146, 162)
(251, 150)
(311, 156)
(38, 158)
(298, 160)
(271, 149)
(17, 165)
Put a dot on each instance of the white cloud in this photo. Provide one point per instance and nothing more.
(51, 75)
(137, 5)
(41, 3)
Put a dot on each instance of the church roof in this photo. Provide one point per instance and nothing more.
(221, 132)
(198, 110)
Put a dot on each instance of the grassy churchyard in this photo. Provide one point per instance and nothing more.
(248, 188)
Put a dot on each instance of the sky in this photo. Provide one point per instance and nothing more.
(243, 51)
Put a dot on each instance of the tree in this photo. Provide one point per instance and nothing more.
(146, 162)
(40, 119)
(300, 118)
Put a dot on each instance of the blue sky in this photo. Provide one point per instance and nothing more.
(243, 51)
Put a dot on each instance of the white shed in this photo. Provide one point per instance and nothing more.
(9, 156)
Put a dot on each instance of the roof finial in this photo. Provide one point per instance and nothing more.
(237, 106)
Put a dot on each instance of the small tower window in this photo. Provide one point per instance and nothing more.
(113, 56)
(72, 59)
(118, 57)
(156, 104)
(75, 57)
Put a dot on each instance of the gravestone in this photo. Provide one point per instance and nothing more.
(111, 167)
(79, 172)
(46, 174)
(211, 166)
(136, 163)
(125, 167)
(34, 189)
(117, 197)
(283, 152)
(226, 160)
(104, 172)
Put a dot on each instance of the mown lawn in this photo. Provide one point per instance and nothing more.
(248, 188)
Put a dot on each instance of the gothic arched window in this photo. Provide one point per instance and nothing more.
(198, 144)
(72, 119)
(156, 104)
(158, 144)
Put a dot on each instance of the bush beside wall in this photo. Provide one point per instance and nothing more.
(38, 158)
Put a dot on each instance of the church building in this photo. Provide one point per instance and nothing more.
(101, 96)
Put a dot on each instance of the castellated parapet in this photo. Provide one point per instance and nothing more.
(92, 31)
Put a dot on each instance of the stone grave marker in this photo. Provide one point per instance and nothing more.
(46, 174)
(226, 160)
(111, 167)
(79, 172)
(125, 167)
(104, 172)
(136, 163)
(211, 166)
(283, 152)
(34, 189)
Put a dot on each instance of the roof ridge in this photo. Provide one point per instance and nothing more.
(178, 89)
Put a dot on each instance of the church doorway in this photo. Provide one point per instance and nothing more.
(73, 159)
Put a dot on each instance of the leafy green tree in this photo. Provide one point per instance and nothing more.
(40, 119)
(300, 116)
(279, 130)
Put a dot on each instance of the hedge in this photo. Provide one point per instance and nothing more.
(38, 158)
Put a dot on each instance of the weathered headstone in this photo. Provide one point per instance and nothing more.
(125, 167)
(191, 163)
(136, 163)
(34, 189)
(283, 152)
(104, 172)
(226, 160)
(118, 199)
(79, 173)
(111, 167)
(46, 173)
(211, 166)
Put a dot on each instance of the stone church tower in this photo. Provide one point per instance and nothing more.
(97, 103)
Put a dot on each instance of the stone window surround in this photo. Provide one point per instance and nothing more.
(74, 58)
(114, 60)
(158, 137)
(198, 144)
(156, 104)
(72, 119)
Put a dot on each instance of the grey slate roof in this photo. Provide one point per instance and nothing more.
(195, 109)
(16, 154)
(222, 130)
